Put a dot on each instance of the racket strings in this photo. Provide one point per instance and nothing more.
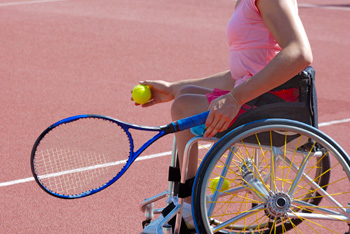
(81, 156)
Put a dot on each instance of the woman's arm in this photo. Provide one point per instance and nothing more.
(282, 20)
(222, 80)
(163, 91)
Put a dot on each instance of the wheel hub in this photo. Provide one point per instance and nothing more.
(278, 205)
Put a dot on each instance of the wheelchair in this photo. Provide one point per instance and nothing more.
(273, 171)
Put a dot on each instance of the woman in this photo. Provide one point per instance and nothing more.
(268, 46)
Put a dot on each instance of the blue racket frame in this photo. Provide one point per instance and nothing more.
(173, 127)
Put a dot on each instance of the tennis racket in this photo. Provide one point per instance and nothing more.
(84, 154)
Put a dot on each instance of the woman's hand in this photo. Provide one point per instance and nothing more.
(222, 111)
(161, 92)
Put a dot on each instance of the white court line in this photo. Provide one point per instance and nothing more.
(327, 7)
(334, 122)
(28, 2)
(20, 181)
(147, 157)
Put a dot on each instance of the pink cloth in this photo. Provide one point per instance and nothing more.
(252, 46)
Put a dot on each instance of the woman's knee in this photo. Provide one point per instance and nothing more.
(188, 104)
(181, 105)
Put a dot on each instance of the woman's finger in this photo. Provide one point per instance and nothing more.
(150, 103)
(225, 126)
(215, 127)
(210, 119)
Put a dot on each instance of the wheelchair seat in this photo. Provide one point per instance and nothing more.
(268, 105)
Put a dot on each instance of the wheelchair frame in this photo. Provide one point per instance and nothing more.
(147, 205)
(269, 197)
(304, 111)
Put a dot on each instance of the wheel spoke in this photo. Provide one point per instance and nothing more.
(279, 175)
(239, 217)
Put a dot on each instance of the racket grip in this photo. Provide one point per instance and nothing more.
(192, 121)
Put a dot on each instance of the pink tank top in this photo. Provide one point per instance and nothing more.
(252, 46)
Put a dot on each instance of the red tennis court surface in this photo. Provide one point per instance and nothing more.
(66, 57)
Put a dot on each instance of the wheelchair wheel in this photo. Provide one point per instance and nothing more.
(272, 176)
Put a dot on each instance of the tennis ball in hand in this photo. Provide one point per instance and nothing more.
(214, 183)
(141, 94)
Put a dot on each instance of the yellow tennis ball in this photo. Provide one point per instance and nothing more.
(141, 94)
(214, 184)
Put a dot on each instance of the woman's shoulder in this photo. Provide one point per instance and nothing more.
(247, 6)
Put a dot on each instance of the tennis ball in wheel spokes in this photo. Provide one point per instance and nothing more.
(141, 94)
(214, 185)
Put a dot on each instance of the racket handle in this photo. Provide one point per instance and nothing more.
(192, 121)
